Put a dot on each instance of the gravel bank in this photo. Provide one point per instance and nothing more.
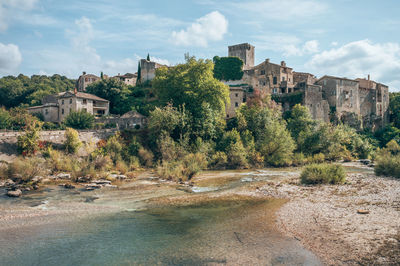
(327, 221)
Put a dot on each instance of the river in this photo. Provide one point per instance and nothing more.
(148, 222)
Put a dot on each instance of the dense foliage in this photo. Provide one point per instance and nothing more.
(228, 68)
(388, 160)
(323, 174)
(79, 120)
(23, 90)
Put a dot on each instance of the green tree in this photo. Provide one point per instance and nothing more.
(139, 74)
(148, 57)
(72, 141)
(79, 120)
(300, 121)
(394, 109)
(228, 68)
(114, 90)
(192, 84)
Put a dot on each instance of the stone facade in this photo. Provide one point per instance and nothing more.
(238, 95)
(245, 52)
(84, 80)
(128, 120)
(129, 78)
(361, 101)
(148, 70)
(56, 107)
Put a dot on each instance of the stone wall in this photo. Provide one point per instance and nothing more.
(8, 139)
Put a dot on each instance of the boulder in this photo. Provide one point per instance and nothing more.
(121, 177)
(63, 176)
(92, 186)
(69, 186)
(14, 193)
(83, 179)
(101, 182)
(110, 186)
(2, 183)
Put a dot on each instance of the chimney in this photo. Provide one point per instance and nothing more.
(283, 63)
(368, 77)
(84, 73)
(267, 60)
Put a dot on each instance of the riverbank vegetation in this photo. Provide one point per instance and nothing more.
(323, 174)
(186, 131)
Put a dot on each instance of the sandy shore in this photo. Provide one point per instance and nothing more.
(326, 220)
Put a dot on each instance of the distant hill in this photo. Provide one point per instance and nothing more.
(28, 91)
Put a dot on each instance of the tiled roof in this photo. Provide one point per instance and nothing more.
(82, 95)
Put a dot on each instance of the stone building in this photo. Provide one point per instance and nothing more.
(128, 78)
(148, 70)
(245, 52)
(238, 94)
(84, 80)
(56, 107)
(359, 103)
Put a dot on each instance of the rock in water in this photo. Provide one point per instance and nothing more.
(14, 193)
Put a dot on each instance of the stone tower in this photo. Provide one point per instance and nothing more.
(245, 52)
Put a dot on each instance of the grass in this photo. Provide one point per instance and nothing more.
(323, 174)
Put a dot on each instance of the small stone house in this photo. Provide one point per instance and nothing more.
(55, 108)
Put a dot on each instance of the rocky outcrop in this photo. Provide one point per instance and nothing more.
(14, 193)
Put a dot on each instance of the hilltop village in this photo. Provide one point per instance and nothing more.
(361, 102)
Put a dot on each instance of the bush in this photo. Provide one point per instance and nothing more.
(323, 174)
(25, 169)
(317, 158)
(388, 166)
(219, 160)
(193, 163)
(387, 162)
(113, 148)
(28, 144)
(102, 163)
(72, 141)
(79, 120)
(146, 157)
(299, 159)
(121, 167)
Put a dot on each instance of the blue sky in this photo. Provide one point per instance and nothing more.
(342, 37)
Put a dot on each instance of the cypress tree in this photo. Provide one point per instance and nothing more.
(148, 57)
(139, 74)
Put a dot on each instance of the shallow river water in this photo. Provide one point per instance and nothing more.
(56, 226)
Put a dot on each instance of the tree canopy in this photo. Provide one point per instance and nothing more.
(23, 90)
(228, 68)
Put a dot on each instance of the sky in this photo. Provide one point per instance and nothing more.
(346, 38)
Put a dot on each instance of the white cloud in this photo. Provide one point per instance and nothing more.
(211, 27)
(288, 45)
(18, 10)
(360, 58)
(334, 43)
(10, 59)
(280, 9)
(160, 61)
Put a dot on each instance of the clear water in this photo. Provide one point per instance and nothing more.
(228, 232)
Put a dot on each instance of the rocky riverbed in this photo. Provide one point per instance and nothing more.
(265, 216)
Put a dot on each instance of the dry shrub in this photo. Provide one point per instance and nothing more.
(121, 167)
(146, 157)
(102, 163)
(24, 169)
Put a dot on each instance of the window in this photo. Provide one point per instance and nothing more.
(275, 80)
(62, 101)
(62, 111)
(283, 78)
(70, 101)
(46, 111)
(325, 82)
(84, 101)
(236, 104)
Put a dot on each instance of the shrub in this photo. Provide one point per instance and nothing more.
(134, 163)
(299, 159)
(79, 120)
(387, 162)
(114, 147)
(25, 169)
(323, 174)
(102, 163)
(146, 157)
(72, 142)
(317, 158)
(171, 171)
(28, 143)
(122, 167)
(219, 160)
(193, 163)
